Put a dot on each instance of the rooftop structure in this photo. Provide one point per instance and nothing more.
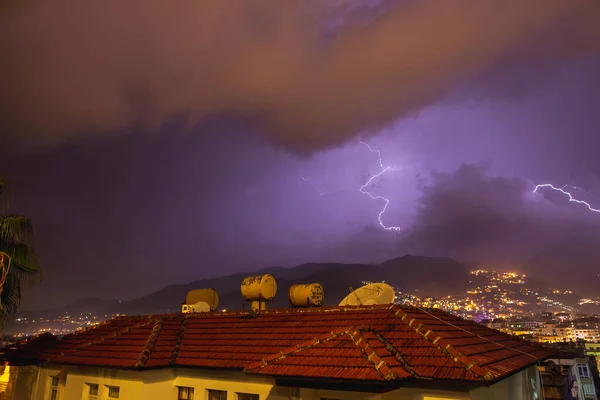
(386, 344)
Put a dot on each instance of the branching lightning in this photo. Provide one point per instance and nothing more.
(321, 192)
(363, 188)
(568, 194)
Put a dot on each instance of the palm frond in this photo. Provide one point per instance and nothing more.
(15, 231)
(10, 299)
(15, 228)
(25, 261)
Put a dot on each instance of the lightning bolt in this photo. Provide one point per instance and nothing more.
(572, 187)
(363, 188)
(321, 192)
(568, 194)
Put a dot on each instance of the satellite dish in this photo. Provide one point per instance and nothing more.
(197, 296)
(373, 293)
(201, 306)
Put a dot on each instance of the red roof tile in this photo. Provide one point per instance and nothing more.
(368, 343)
(29, 351)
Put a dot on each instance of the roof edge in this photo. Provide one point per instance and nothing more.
(470, 365)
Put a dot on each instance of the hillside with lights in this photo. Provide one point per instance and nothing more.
(472, 293)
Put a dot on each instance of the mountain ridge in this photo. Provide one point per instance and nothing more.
(430, 275)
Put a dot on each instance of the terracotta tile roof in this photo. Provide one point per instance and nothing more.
(29, 351)
(368, 343)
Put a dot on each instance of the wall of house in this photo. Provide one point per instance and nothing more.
(520, 386)
(21, 382)
(318, 394)
(153, 384)
(424, 394)
(162, 384)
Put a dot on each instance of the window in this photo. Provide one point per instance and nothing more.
(113, 392)
(247, 396)
(588, 390)
(185, 393)
(92, 391)
(217, 395)
(583, 370)
(54, 388)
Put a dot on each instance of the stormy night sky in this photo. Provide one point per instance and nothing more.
(153, 143)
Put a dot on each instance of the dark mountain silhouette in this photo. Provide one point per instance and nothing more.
(94, 305)
(91, 303)
(431, 275)
(569, 264)
(434, 276)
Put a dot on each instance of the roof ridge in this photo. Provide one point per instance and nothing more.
(182, 329)
(371, 354)
(100, 338)
(355, 336)
(149, 346)
(394, 351)
(287, 351)
(459, 357)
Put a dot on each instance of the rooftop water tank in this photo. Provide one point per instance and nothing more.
(259, 288)
(306, 295)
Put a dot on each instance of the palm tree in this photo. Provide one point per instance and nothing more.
(18, 261)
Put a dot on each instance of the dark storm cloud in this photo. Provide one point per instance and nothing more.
(466, 208)
(73, 68)
(472, 215)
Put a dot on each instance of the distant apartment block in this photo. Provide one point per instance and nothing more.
(580, 383)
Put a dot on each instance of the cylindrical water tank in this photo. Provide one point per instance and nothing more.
(306, 295)
(262, 287)
(209, 296)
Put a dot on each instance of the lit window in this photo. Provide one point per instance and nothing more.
(217, 395)
(92, 391)
(247, 396)
(583, 370)
(113, 392)
(589, 390)
(185, 393)
(54, 388)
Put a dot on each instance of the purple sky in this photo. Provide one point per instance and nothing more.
(127, 197)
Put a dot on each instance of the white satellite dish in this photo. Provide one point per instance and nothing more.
(373, 293)
(201, 306)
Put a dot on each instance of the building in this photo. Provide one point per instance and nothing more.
(587, 334)
(580, 382)
(547, 329)
(554, 380)
(567, 378)
(553, 333)
(497, 323)
(352, 352)
(524, 325)
(592, 349)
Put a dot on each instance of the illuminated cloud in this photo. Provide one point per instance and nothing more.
(310, 75)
